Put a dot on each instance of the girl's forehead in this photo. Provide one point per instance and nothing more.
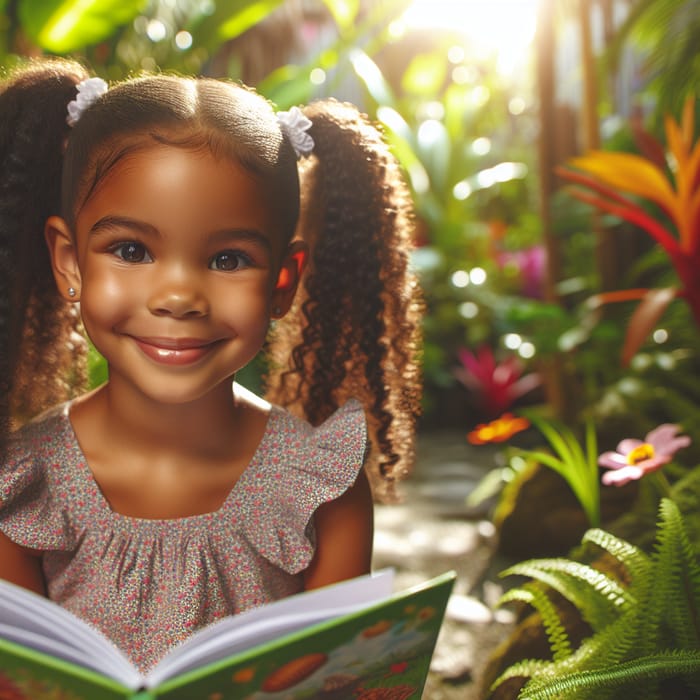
(168, 186)
(148, 168)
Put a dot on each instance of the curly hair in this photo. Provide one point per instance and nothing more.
(41, 349)
(354, 328)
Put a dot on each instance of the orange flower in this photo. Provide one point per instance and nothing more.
(498, 430)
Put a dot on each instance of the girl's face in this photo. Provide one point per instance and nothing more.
(176, 259)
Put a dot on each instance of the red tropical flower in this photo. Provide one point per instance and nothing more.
(497, 385)
(607, 179)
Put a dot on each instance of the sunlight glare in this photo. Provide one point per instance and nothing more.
(501, 27)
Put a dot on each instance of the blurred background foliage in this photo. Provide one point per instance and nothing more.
(509, 263)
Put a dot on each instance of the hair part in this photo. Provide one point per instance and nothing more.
(230, 120)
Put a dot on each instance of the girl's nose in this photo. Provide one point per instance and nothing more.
(178, 299)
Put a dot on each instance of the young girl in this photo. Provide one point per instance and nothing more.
(170, 496)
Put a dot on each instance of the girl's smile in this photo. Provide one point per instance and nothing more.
(174, 351)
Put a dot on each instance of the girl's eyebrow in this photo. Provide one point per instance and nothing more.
(112, 221)
(242, 234)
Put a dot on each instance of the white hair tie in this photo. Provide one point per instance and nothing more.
(88, 91)
(295, 125)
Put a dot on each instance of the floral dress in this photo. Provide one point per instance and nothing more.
(148, 584)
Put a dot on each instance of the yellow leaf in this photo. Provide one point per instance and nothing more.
(632, 173)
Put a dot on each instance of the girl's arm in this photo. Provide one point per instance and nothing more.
(19, 565)
(344, 534)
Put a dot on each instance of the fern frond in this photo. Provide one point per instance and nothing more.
(665, 596)
(538, 599)
(646, 669)
(527, 668)
(684, 619)
(608, 647)
(634, 559)
(599, 602)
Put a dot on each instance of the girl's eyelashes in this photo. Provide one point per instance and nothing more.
(230, 261)
(131, 251)
(224, 261)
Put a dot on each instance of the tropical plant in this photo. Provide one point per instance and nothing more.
(496, 384)
(665, 32)
(644, 621)
(578, 468)
(460, 131)
(672, 185)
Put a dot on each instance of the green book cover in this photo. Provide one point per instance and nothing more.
(355, 639)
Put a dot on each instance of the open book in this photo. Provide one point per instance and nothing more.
(355, 639)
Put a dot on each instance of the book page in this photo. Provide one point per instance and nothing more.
(235, 634)
(38, 623)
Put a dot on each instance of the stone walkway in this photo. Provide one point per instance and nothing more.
(433, 530)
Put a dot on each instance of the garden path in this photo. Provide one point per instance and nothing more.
(433, 530)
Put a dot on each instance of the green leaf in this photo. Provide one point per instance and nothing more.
(368, 72)
(625, 676)
(63, 26)
(598, 597)
(425, 75)
(230, 20)
(556, 632)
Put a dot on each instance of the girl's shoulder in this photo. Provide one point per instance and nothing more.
(29, 513)
(297, 468)
(38, 437)
(343, 433)
(340, 440)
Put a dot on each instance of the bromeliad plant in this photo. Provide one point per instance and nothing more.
(496, 384)
(614, 182)
(645, 623)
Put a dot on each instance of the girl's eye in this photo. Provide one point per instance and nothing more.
(132, 252)
(228, 261)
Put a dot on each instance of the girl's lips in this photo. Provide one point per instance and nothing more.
(172, 351)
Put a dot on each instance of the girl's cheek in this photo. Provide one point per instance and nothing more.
(105, 299)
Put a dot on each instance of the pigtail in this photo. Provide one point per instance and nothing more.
(354, 328)
(37, 328)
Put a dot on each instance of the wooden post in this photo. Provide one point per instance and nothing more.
(545, 47)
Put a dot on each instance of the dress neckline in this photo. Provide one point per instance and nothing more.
(100, 501)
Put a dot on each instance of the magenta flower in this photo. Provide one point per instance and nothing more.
(531, 266)
(635, 458)
(497, 384)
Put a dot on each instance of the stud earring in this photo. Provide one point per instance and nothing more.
(277, 311)
(71, 292)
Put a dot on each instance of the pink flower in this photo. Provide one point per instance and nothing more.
(635, 458)
(531, 266)
(497, 385)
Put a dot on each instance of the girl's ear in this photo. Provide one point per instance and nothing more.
(288, 278)
(64, 258)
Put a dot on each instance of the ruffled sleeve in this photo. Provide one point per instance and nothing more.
(30, 513)
(302, 467)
